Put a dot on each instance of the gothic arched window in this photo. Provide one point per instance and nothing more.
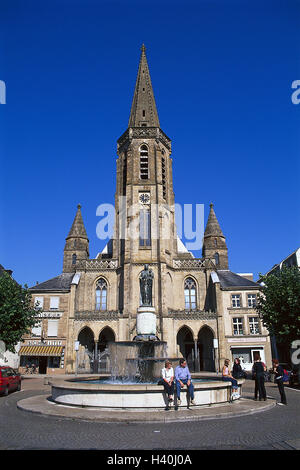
(190, 294)
(74, 258)
(101, 295)
(217, 259)
(144, 164)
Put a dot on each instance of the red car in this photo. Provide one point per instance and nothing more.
(9, 380)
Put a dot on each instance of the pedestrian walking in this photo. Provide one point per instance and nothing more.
(258, 372)
(278, 369)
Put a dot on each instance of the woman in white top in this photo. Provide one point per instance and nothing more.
(227, 377)
(167, 374)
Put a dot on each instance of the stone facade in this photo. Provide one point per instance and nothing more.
(191, 297)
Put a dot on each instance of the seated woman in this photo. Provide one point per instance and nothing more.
(227, 377)
(168, 379)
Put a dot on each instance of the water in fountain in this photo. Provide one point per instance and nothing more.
(137, 361)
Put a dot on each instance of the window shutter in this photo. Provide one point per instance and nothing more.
(52, 327)
(54, 303)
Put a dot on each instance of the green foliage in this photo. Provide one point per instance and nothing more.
(17, 315)
(279, 304)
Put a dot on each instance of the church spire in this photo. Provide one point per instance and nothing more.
(77, 244)
(214, 243)
(213, 228)
(143, 108)
(78, 228)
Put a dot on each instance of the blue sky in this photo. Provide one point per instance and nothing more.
(222, 74)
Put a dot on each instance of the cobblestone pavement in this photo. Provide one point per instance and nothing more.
(277, 428)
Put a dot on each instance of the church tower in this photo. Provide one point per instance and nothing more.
(145, 230)
(77, 244)
(214, 244)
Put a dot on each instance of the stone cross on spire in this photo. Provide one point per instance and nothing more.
(143, 108)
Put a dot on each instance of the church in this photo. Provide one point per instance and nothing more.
(205, 312)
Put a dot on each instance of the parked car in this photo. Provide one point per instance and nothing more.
(9, 380)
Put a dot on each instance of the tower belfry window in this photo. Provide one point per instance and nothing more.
(144, 164)
(163, 176)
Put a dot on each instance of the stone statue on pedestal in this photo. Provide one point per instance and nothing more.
(146, 280)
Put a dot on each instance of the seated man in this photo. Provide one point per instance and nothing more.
(183, 377)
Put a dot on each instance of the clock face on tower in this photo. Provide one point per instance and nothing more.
(144, 198)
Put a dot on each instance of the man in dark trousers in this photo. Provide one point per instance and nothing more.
(259, 374)
(278, 369)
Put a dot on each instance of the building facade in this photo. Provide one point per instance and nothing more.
(203, 311)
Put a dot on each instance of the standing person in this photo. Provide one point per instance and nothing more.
(258, 370)
(227, 377)
(237, 371)
(183, 377)
(278, 369)
(167, 374)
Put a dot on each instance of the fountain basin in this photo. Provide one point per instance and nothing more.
(135, 396)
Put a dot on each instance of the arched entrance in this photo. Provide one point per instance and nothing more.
(85, 354)
(206, 349)
(106, 335)
(187, 346)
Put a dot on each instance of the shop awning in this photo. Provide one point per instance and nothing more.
(41, 350)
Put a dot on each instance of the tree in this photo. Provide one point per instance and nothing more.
(17, 316)
(279, 304)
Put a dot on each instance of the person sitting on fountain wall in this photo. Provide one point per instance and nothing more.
(227, 377)
(183, 377)
(168, 377)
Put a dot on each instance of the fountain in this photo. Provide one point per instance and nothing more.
(135, 370)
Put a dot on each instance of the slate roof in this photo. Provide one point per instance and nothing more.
(58, 283)
(229, 279)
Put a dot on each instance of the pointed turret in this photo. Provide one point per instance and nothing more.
(214, 243)
(77, 244)
(78, 228)
(212, 227)
(143, 108)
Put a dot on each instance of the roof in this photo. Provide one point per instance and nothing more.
(59, 283)
(213, 228)
(78, 229)
(291, 260)
(228, 280)
(143, 108)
